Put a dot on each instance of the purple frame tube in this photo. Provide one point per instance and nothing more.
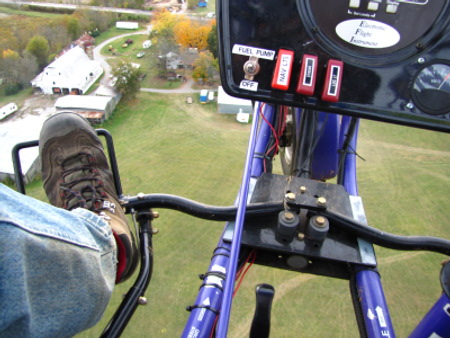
(211, 299)
(224, 316)
(436, 322)
(377, 319)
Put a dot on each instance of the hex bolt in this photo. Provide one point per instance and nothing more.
(290, 196)
(142, 300)
(320, 221)
(288, 215)
(322, 201)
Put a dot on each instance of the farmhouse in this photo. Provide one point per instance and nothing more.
(73, 72)
(96, 109)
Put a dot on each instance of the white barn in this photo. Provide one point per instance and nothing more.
(73, 72)
(96, 109)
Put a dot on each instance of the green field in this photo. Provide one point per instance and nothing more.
(166, 146)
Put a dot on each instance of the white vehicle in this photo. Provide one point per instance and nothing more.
(7, 110)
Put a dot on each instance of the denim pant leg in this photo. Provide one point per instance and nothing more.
(57, 268)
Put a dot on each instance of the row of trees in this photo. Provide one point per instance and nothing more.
(28, 45)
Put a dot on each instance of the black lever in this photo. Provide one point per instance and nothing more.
(261, 321)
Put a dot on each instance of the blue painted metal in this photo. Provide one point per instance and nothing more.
(325, 156)
(224, 316)
(264, 133)
(349, 175)
(209, 298)
(436, 322)
(376, 314)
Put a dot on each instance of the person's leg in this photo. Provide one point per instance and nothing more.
(57, 268)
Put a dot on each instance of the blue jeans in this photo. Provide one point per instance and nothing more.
(57, 268)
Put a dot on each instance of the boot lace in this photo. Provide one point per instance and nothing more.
(81, 185)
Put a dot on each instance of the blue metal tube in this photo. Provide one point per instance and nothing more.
(209, 298)
(264, 133)
(224, 316)
(370, 290)
(349, 176)
(436, 322)
(376, 314)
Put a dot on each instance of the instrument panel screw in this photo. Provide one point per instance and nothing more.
(410, 105)
(421, 60)
(301, 236)
(322, 201)
(290, 196)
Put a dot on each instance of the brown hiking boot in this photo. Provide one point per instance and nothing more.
(76, 174)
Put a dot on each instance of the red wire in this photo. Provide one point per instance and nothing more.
(276, 145)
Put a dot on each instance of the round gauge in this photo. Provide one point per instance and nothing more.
(431, 88)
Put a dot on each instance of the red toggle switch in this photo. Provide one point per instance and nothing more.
(283, 69)
(333, 81)
(307, 81)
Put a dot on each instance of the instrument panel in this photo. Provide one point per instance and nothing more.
(386, 60)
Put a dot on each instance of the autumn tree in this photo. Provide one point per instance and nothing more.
(192, 34)
(163, 40)
(38, 46)
(127, 79)
(205, 67)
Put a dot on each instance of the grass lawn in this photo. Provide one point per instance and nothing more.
(164, 145)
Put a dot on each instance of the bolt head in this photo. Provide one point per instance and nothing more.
(142, 300)
(290, 196)
(322, 201)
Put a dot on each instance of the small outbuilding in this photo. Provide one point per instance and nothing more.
(96, 109)
(232, 105)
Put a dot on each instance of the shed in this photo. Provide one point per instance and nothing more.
(232, 105)
(127, 25)
(96, 109)
(73, 72)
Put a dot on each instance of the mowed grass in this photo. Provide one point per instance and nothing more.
(164, 145)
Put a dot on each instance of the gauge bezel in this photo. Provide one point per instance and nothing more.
(415, 95)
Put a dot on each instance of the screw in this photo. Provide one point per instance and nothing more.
(288, 215)
(322, 201)
(155, 214)
(421, 60)
(301, 236)
(141, 196)
(410, 105)
(290, 196)
(303, 189)
(142, 300)
(320, 221)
